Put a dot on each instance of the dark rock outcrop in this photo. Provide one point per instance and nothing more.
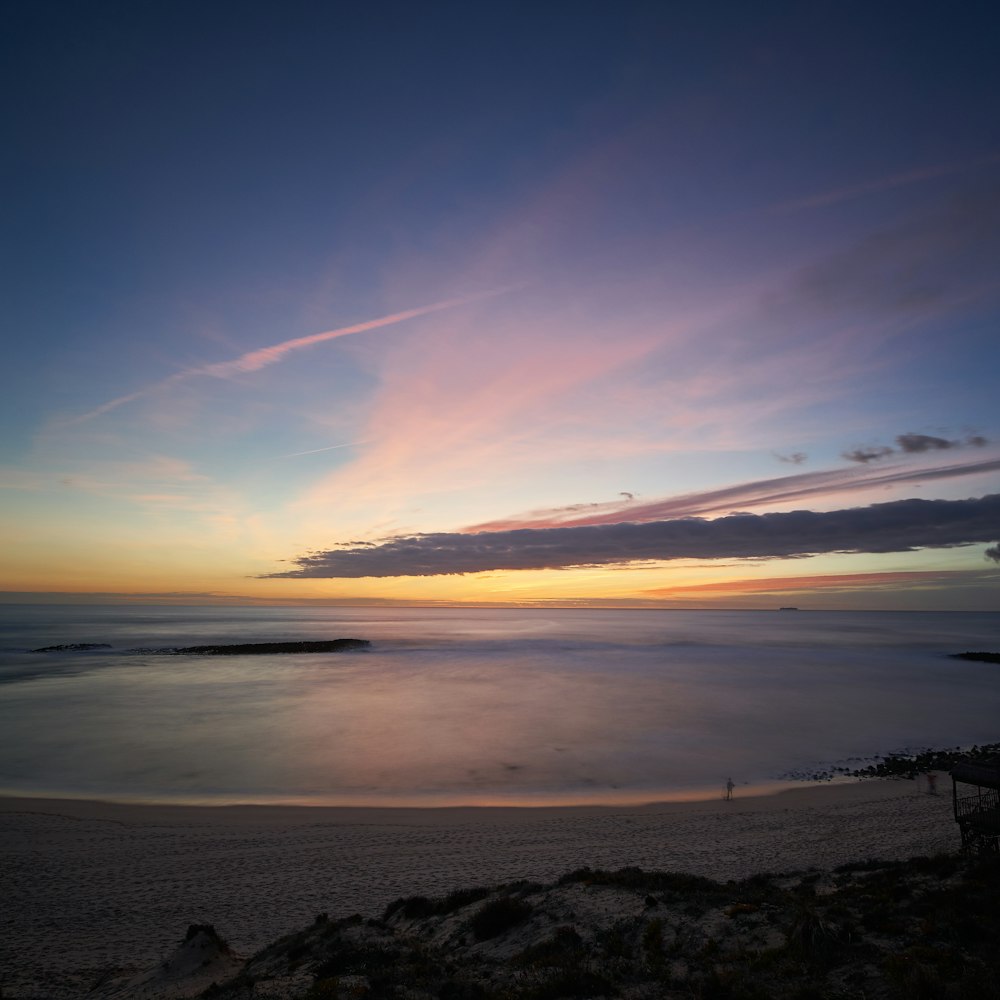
(263, 648)
(977, 655)
(233, 649)
(72, 647)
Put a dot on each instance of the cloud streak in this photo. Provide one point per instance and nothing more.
(902, 179)
(806, 584)
(329, 447)
(262, 357)
(898, 526)
(760, 492)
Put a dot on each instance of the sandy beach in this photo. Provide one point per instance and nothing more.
(90, 887)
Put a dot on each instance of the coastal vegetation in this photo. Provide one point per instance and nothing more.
(922, 928)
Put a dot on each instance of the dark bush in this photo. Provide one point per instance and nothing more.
(571, 983)
(418, 907)
(499, 915)
(345, 958)
(455, 990)
(461, 897)
(412, 907)
(641, 881)
(565, 946)
(209, 931)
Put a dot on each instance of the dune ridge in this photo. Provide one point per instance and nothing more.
(99, 889)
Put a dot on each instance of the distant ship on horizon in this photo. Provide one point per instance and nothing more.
(788, 608)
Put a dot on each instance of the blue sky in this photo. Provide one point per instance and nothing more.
(565, 255)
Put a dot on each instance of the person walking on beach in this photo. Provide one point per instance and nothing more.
(729, 789)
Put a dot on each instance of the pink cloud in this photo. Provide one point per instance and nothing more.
(744, 496)
(472, 398)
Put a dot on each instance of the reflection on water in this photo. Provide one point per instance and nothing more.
(458, 706)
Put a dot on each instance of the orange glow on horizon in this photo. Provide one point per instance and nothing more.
(808, 583)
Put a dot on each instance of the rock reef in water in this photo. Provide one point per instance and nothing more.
(234, 649)
(72, 647)
(908, 764)
(264, 648)
(983, 656)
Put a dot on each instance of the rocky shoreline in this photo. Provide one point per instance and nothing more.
(908, 765)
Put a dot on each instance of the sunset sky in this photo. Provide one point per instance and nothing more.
(612, 304)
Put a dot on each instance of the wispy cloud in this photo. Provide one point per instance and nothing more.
(29, 481)
(761, 492)
(898, 526)
(554, 386)
(262, 357)
(868, 453)
(921, 273)
(329, 447)
(818, 581)
(903, 178)
(157, 484)
(511, 394)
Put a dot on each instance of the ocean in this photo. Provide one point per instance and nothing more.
(476, 707)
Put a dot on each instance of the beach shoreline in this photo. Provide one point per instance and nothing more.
(88, 802)
(95, 886)
(86, 805)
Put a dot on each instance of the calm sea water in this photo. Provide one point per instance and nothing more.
(457, 706)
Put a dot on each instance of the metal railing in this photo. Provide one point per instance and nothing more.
(985, 800)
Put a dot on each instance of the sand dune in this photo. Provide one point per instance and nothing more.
(95, 888)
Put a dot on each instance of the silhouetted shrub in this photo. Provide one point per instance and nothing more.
(209, 931)
(571, 983)
(345, 958)
(565, 946)
(419, 907)
(461, 897)
(498, 916)
(641, 881)
(411, 907)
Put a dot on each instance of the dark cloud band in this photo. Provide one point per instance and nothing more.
(899, 526)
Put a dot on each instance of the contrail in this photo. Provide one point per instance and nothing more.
(316, 451)
(254, 360)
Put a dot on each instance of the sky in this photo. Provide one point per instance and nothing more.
(533, 304)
